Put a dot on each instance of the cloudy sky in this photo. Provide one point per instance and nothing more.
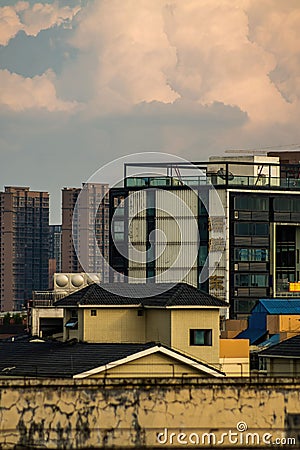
(84, 82)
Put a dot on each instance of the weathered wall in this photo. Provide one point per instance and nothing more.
(129, 413)
(42, 313)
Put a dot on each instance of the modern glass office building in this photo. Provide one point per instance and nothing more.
(258, 235)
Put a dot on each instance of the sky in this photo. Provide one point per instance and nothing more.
(85, 82)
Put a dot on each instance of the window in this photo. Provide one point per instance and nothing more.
(251, 229)
(118, 230)
(119, 201)
(251, 254)
(251, 280)
(282, 204)
(74, 313)
(251, 203)
(262, 363)
(93, 312)
(201, 337)
(202, 255)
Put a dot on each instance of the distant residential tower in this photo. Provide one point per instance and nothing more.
(24, 245)
(93, 216)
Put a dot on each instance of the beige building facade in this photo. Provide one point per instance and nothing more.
(169, 326)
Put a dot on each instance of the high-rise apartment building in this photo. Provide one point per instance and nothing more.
(54, 252)
(24, 244)
(55, 245)
(91, 215)
(69, 260)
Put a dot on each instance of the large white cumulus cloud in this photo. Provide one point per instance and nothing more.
(232, 51)
(241, 53)
(132, 51)
(19, 93)
(22, 93)
(32, 19)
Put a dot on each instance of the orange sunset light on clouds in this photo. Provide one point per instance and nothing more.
(188, 77)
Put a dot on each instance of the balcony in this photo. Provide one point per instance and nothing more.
(45, 298)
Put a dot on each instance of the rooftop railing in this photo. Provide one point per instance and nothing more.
(45, 298)
(215, 180)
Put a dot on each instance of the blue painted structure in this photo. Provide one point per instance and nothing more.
(257, 322)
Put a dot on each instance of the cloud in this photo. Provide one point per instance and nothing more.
(19, 93)
(132, 51)
(218, 62)
(234, 52)
(32, 19)
(203, 52)
(10, 24)
(277, 32)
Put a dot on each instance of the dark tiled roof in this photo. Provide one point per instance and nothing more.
(64, 360)
(57, 359)
(289, 347)
(180, 294)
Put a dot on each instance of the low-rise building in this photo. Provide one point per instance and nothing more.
(272, 317)
(178, 316)
(281, 360)
(53, 359)
(234, 357)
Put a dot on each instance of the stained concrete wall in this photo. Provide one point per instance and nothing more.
(100, 413)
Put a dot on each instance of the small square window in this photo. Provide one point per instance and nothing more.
(140, 312)
(201, 337)
(93, 312)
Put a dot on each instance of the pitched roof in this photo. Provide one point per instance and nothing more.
(254, 335)
(281, 306)
(56, 359)
(148, 295)
(285, 349)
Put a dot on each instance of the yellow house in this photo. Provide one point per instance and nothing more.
(178, 317)
(37, 358)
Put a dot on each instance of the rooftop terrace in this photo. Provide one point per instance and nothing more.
(242, 172)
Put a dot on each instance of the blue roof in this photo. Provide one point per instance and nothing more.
(275, 339)
(253, 334)
(280, 306)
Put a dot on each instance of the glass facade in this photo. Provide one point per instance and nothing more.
(264, 247)
(264, 242)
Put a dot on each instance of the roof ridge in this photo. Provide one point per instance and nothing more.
(90, 290)
(178, 289)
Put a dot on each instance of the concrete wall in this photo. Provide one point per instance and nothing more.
(184, 320)
(99, 413)
(44, 313)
